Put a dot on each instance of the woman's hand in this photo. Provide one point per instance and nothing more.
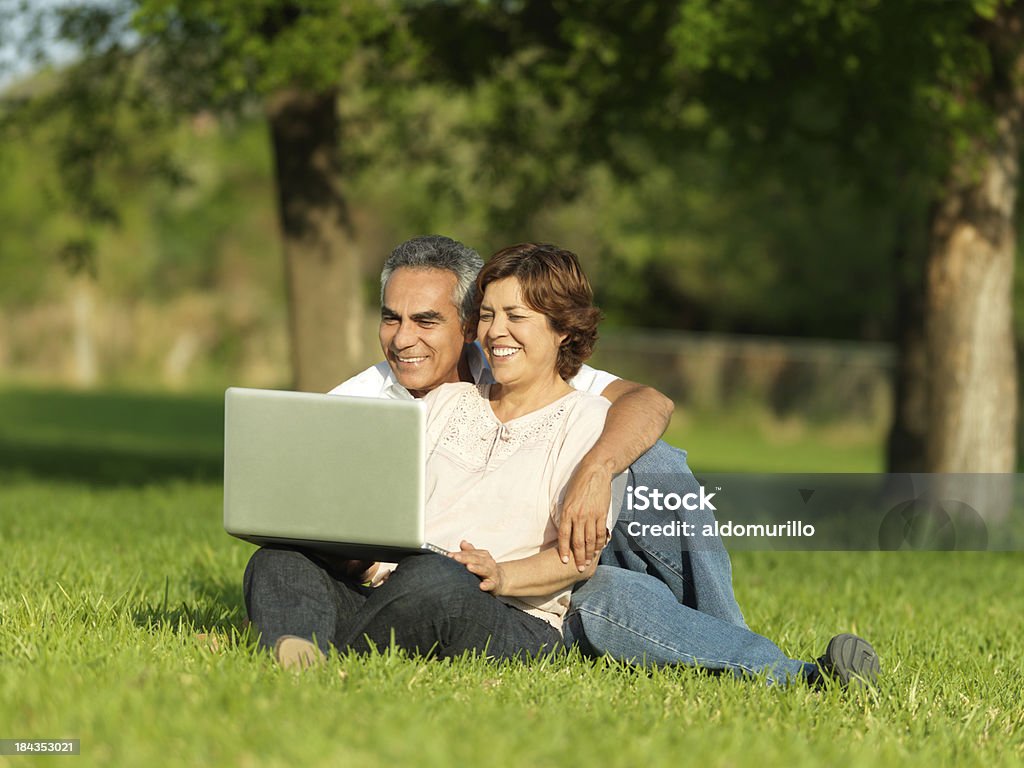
(361, 571)
(480, 563)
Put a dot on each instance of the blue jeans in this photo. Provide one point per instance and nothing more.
(431, 605)
(696, 570)
(657, 600)
(635, 618)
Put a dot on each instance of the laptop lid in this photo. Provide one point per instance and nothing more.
(342, 475)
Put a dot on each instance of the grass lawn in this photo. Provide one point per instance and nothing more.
(116, 566)
(751, 440)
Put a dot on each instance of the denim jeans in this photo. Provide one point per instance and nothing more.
(635, 618)
(430, 605)
(697, 571)
(669, 601)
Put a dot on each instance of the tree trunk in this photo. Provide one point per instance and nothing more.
(83, 311)
(322, 273)
(972, 389)
(905, 447)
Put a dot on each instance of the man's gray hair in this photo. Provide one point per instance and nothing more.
(439, 252)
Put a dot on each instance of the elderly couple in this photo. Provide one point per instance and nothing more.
(524, 444)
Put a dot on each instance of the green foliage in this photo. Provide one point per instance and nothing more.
(95, 133)
(686, 243)
(215, 228)
(221, 223)
(731, 166)
(690, 247)
(143, 66)
(890, 88)
(25, 270)
(227, 52)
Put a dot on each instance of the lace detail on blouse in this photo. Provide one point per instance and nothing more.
(474, 435)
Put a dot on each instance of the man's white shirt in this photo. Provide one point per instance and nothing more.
(379, 380)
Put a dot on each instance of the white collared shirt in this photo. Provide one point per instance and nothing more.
(379, 380)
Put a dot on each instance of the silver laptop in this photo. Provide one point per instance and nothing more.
(343, 476)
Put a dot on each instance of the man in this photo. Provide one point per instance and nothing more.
(687, 612)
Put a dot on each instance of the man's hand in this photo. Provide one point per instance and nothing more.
(585, 515)
(480, 563)
(637, 417)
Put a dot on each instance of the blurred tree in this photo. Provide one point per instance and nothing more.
(973, 388)
(143, 64)
(796, 103)
(915, 104)
(922, 103)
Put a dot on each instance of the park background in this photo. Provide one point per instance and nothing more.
(769, 199)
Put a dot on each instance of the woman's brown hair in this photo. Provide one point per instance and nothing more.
(553, 284)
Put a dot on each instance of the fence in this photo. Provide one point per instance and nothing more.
(201, 340)
(815, 379)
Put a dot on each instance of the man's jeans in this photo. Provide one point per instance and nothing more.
(430, 605)
(662, 600)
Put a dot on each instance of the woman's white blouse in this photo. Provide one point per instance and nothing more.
(500, 485)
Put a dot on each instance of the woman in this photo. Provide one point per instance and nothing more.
(500, 458)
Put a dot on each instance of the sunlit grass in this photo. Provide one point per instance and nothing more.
(122, 624)
(753, 440)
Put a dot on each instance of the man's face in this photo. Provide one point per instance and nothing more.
(420, 331)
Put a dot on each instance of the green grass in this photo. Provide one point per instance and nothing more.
(107, 586)
(751, 440)
(111, 437)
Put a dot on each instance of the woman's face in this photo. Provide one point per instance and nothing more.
(518, 341)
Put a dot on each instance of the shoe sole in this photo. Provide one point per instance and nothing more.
(852, 661)
(297, 653)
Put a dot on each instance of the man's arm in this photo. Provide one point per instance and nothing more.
(637, 418)
(539, 574)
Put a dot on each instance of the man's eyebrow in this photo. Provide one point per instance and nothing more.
(386, 311)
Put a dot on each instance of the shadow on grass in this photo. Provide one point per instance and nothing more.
(217, 607)
(111, 438)
(102, 465)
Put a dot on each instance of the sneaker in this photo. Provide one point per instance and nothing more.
(849, 660)
(297, 653)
